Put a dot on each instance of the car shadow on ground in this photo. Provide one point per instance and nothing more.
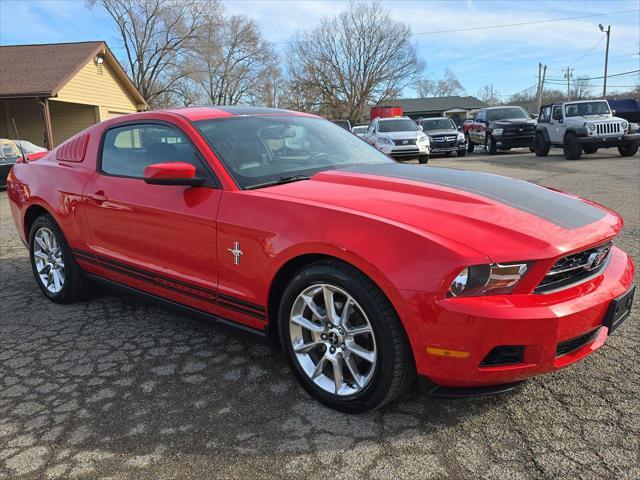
(114, 375)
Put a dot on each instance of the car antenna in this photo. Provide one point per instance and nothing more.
(24, 157)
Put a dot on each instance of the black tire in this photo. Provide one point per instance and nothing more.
(462, 153)
(394, 371)
(588, 149)
(531, 150)
(490, 145)
(74, 286)
(629, 149)
(540, 145)
(470, 146)
(423, 159)
(447, 154)
(572, 149)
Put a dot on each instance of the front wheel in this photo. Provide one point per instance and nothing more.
(628, 149)
(572, 149)
(462, 153)
(490, 145)
(343, 339)
(54, 266)
(424, 159)
(540, 146)
(470, 146)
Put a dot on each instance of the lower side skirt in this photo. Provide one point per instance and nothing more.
(171, 305)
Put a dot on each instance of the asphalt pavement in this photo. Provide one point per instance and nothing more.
(113, 388)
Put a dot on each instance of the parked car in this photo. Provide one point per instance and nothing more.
(363, 270)
(386, 111)
(360, 130)
(400, 138)
(501, 128)
(346, 124)
(444, 136)
(583, 126)
(627, 108)
(9, 153)
(28, 148)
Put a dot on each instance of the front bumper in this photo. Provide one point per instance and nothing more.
(435, 148)
(514, 142)
(610, 141)
(537, 322)
(405, 153)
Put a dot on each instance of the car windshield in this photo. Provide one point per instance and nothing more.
(259, 151)
(507, 112)
(437, 124)
(397, 125)
(362, 129)
(586, 108)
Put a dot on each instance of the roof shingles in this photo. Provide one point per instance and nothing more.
(33, 70)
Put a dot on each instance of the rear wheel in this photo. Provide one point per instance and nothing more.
(589, 148)
(572, 149)
(424, 159)
(54, 267)
(540, 146)
(490, 145)
(628, 149)
(343, 339)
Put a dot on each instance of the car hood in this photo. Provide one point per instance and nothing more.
(401, 135)
(446, 131)
(513, 121)
(502, 218)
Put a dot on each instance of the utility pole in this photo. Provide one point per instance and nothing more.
(541, 83)
(567, 74)
(606, 58)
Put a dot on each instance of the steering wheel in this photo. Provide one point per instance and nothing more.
(320, 155)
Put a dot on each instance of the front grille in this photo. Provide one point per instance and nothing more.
(519, 130)
(575, 268)
(573, 344)
(407, 141)
(610, 128)
(444, 138)
(504, 355)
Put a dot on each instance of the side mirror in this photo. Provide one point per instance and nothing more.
(460, 128)
(613, 112)
(420, 128)
(172, 173)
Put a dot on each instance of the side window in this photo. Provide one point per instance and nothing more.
(545, 114)
(557, 112)
(128, 150)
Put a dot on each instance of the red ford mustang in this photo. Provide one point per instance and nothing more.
(366, 272)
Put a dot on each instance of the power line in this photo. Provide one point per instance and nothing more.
(598, 78)
(590, 50)
(503, 25)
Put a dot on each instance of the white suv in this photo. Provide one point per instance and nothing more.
(399, 137)
(583, 126)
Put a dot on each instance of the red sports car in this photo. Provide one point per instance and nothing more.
(364, 271)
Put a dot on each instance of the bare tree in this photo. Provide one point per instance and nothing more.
(232, 58)
(446, 86)
(156, 35)
(360, 56)
(582, 88)
(489, 95)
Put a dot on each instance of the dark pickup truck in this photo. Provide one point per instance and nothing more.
(501, 128)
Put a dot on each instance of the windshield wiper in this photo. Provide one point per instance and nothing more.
(280, 181)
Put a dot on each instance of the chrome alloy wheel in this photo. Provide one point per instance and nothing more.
(47, 255)
(332, 339)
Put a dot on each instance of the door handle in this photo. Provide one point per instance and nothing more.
(99, 197)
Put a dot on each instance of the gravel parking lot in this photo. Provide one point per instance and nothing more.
(113, 388)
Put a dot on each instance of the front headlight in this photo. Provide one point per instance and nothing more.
(423, 139)
(491, 279)
(625, 125)
(385, 141)
(461, 137)
(591, 126)
(497, 131)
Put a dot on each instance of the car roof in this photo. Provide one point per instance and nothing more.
(223, 111)
(502, 106)
(384, 119)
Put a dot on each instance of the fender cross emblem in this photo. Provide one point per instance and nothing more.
(237, 253)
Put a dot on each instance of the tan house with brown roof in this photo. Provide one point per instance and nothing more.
(53, 91)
